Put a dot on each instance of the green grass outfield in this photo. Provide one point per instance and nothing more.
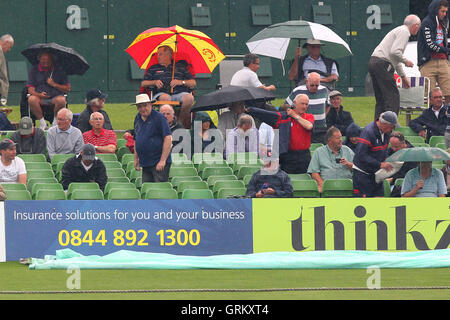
(214, 284)
(122, 114)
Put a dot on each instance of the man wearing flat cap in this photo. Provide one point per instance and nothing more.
(95, 101)
(12, 168)
(153, 142)
(370, 155)
(29, 139)
(336, 116)
(84, 167)
(314, 62)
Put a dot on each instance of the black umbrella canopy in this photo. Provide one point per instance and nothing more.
(219, 98)
(68, 58)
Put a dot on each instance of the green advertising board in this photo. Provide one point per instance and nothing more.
(394, 224)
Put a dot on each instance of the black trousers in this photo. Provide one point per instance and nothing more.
(384, 86)
(364, 185)
(295, 161)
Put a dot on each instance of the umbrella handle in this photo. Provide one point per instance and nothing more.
(173, 66)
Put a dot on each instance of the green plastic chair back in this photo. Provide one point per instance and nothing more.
(387, 188)
(33, 181)
(39, 157)
(407, 131)
(226, 184)
(243, 171)
(40, 174)
(121, 143)
(60, 158)
(178, 157)
(242, 157)
(434, 140)
(50, 194)
(420, 144)
(123, 194)
(211, 164)
(14, 186)
(48, 186)
(299, 176)
(216, 171)
(212, 179)
(154, 185)
(138, 182)
(134, 174)
(399, 182)
(81, 194)
(414, 139)
(197, 194)
(314, 146)
(191, 185)
(337, 188)
(160, 194)
(182, 172)
(18, 195)
(120, 185)
(38, 166)
(227, 192)
(441, 145)
(125, 159)
(237, 166)
(83, 186)
(247, 179)
(305, 189)
(175, 181)
(112, 164)
(118, 179)
(122, 151)
(115, 172)
(107, 156)
(198, 158)
(184, 164)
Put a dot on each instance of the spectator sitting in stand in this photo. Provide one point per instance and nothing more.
(84, 167)
(28, 138)
(205, 133)
(5, 124)
(243, 138)
(331, 161)
(336, 115)
(228, 120)
(95, 101)
(12, 168)
(424, 181)
(432, 121)
(104, 141)
(351, 136)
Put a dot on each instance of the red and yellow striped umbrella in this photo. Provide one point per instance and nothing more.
(191, 45)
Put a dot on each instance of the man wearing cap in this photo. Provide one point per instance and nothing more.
(104, 141)
(12, 168)
(153, 142)
(30, 140)
(84, 167)
(336, 116)
(247, 77)
(370, 155)
(64, 138)
(387, 58)
(95, 101)
(313, 61)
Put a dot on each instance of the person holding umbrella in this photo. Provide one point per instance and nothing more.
(424, 181)
(47, 84)
(171, 84)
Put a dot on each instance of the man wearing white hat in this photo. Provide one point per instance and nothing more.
(153, 142)
(29, 139)
(313, 61)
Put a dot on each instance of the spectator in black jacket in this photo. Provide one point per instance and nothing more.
(351, 136)
(432, 121)
(95, 100)
(29, 139)
(336, 115)
(84, 167)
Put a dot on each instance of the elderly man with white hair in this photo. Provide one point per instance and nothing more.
(6, 43)
(388, 57)
(95, 101)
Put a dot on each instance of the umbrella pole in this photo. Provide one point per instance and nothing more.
(173, 65)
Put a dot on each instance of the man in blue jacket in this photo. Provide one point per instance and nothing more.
(370, 155)
(432, 50)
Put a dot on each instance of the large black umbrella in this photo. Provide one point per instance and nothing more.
(68, 58)
(220, 98)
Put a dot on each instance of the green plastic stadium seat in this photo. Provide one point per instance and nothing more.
(182, 172)
(50, 194)
(243, 171)
(211, 164)
(40, 174)
(106, 156)
(83, 186)
(60, 158)
(115, 172)
(216, 171)
(118, 179)
(305, 188)
(420, 144)
(154, 185)
(179, 157)
(123, 194)
(175, 181)
(212, 179)
(407, 131)
(119, 185)
(134, 174)
(226, 184)
(398, 182)
(161, 194)
(197, 158)
(247, 179)
(197, 194)
(33, 181)
(48, 186)
(434, 140)
(38, 166)
(337, 188)
(238, 166)
(183, 164)
(80, 194)
(125, 159)
(227, 192)
(121, 143)
(387, 188)
(112, 164)
(299, 176)
(414, 139)
(191, 185)
(122, 151)
(18, 195)
(242, 157)
(441, 145)
(14, 186)
(33, 157)
(314, 146)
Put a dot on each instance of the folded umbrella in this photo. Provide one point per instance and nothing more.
(70, 60)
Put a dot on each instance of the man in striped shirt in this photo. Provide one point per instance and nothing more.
(104, 141)
(317, 95)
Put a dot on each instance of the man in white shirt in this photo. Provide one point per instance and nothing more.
(387, 58)
(12, 168)
(247, 77)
